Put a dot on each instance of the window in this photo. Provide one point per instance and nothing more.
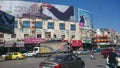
(63, 37)
(62, 26)
(38, 24)
(73, 27)
(50, 25)
(16, 24)
(13, 36)
(26, 35)
(54, 36)
(39, 36)
(26, 24)
(1, 35)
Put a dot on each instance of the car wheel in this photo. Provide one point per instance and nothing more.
(17, 58)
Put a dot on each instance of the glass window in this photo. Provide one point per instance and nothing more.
(26, 35)
(13, 36)
(1, 35)
(38, 35)
(62, 26)
(26, 24)
(38, 24)
(54, 36)
(50, 25)
(73, 27)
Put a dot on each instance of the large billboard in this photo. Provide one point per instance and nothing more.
(6, 22)
(38, 10)
(85, 19)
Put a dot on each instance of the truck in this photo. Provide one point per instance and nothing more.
(47, 49)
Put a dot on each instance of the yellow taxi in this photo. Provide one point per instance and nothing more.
(15, 56)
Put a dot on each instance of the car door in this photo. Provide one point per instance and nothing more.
(76, 62)
(69, 62)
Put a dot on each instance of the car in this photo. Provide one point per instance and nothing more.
(105, 52)
(4, 55)
(29, 53)
(81, 52)
(96, 50)
(15, 55)
(66, 60)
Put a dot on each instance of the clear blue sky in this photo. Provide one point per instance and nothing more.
(106, 13)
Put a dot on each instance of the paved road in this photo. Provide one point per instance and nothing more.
(34, 62)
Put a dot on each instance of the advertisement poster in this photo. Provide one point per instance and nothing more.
(85, 19)
(38, 10)
(6, 22)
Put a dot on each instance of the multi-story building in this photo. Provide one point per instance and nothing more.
(104, 37)
(34, 21)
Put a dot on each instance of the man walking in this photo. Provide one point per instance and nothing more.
(112, 59)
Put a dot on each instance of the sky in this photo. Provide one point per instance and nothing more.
(106, 13)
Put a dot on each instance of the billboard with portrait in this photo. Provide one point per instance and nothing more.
(38, 10)
(85, 19)
(6, 22)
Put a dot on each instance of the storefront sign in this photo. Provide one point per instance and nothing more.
(34, 40)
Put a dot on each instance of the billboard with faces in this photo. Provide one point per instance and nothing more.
(85, 19)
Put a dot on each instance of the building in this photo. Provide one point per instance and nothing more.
(105, 37)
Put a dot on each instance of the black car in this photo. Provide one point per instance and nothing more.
(63, 61)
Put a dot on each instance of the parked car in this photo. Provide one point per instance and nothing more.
(63, 61)
(4, 55)
(96, 50)
(105, 52)
(15, 55)
(81, 52)
(29, 53)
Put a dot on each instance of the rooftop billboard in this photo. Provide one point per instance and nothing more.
(85, 19)
(24, 9)
(6, 22)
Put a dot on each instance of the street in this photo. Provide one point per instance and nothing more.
(99, 62)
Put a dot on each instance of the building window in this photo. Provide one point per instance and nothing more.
(1, 35)
(54, 36)
(26, 24)
(73, 36)
(26, 35)
(38, 24)
(62, 26)
(50, 25)
(73, 27)
(13, 36)
(16, 24)
(39, 35)
(63, 37)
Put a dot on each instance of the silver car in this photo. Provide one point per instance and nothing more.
(63, 61)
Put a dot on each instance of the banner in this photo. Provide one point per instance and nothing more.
(85, 19)
(38, 10)
(6, 22)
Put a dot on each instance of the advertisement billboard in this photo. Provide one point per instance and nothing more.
(38, 10)
(6, 22)
(85, 19)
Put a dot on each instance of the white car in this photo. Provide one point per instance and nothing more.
(81, 52)
(29, 53)
(4, 55)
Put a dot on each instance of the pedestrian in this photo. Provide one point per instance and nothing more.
(112, 59)
(92, 53)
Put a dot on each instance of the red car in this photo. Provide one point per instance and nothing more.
(105, 52)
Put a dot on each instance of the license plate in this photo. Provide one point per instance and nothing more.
(45, 67)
